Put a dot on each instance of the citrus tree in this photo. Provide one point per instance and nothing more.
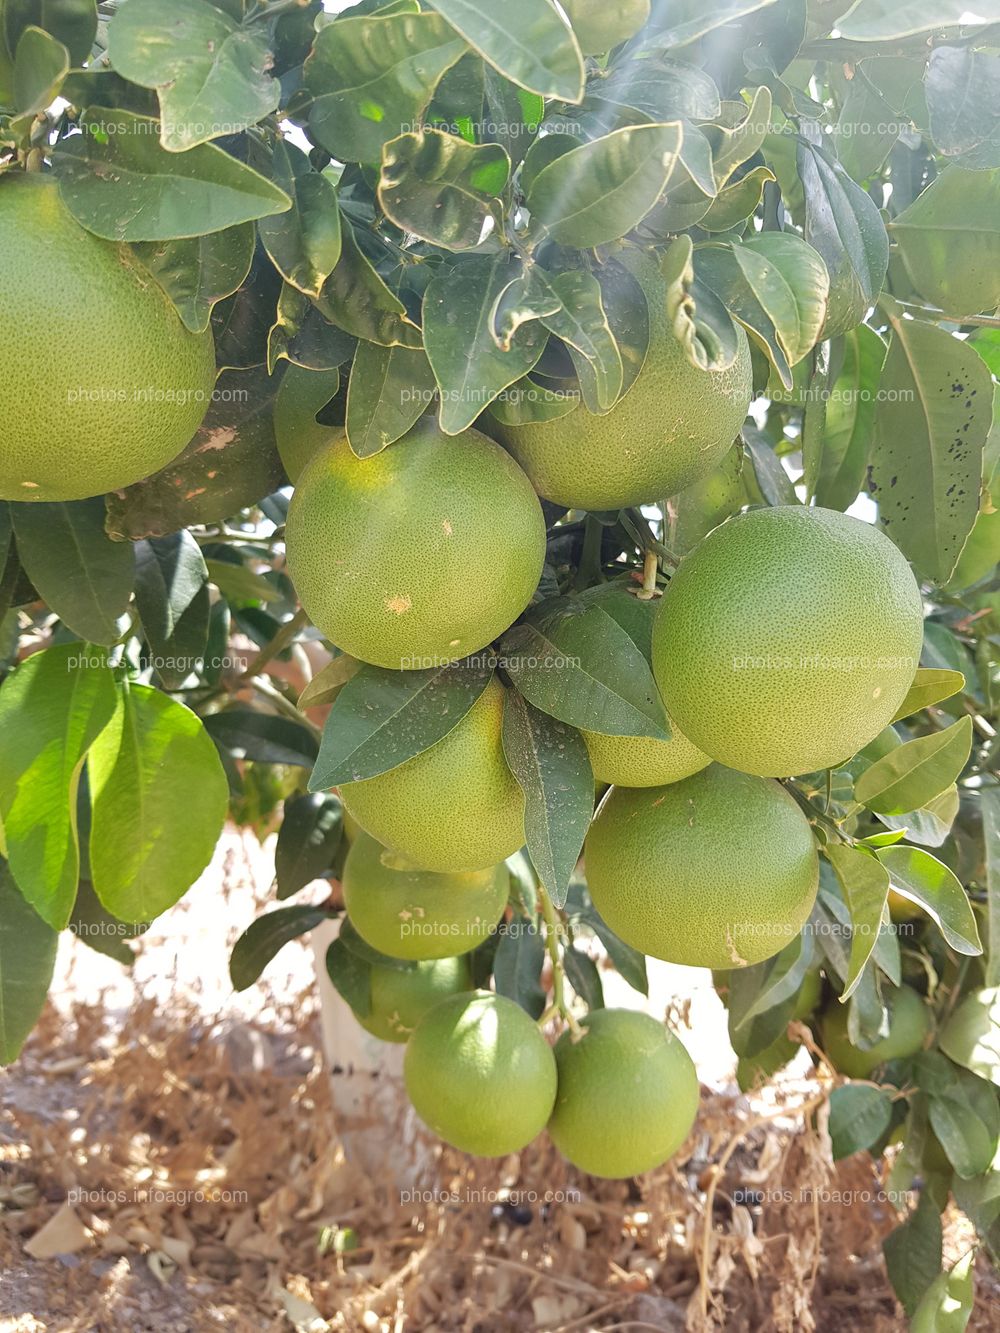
(415, 420)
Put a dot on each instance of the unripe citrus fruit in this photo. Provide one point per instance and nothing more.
(409, 913)
(418, 555)
(787, 639)
(670, 428)
(401, 996)
(480, 1074)
(456, 806)
(719, 870)
(128, 384)
(627, 1094)
(753, 1070)
(637, 761)
(909, 1023)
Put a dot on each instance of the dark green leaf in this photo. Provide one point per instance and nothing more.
(209, 72)
(389, 388)
(990, 806)
(199, 272)
(72, 22)
(917, 875)
(351, 976)
(439, 187)
(585, 978)
(372, 77)
(969, 1142)
(85, 578)
(849, 420)
(119, 183)
(303, 394)
(239, 583)
(528, 41)
(553, 770)
(469, 366)
(308, 841)
(159, 798)
(171, 595)
(599, 191)
(859, 1116)
(52, 709)
(946, 1305)
(911, 775)
(27, 960)
(303, 335)
(304, 243)
(99, 930)
(40, 65)
(866, 888)
(356, 299)
(913, 1253)
(263, 938)
(774, 482)
(517, 966)
(886, 20)
(629, 963)
(262, 737)
(582, 323)
(381, 718)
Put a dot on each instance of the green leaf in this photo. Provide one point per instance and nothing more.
(94, 926)
(553, 770)
(517, 966)
(263, 938)
(381, 718)
(917, 875)
(329, 681)
(946, 1305)
(52, 709)
(303, 394)
(210, 73)
(933, 417)
(262, 737)
(469, 367)
(582, 323)
(528, 41)
(844, 226)
(581, 667)
(27, 960)
(371, 78)
(775, 484)
(867, 127)
(949, 238)
(231, 463)
(200, 271)
(119, 183)
(911, 775)
(849, 420)
(171, 595)
(776, 286)
(962, 86)
(680, 25)
(305, 337)
(351, 976)
(886, 20)
(356, 299)
(931, 824)
(40, 65)
(583, 975)
(930, 686)
(865, 884)
(304, 243)
(240, 584)
(159, 797)
(72, 22)
(859, 1116)
(629, 963)
(738, 201)
(597, 192)
(308, 841)
(389, 388)
(913, 1253)
(515, 114)
(437, 186)
(971, 1036)
(989, 800)
(85, 578)
(969, 1143)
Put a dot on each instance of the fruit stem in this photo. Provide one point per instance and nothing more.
(552, 931)
(650, 569)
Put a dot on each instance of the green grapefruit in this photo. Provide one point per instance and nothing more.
(909, 1024)
(637, 761)
(719, 870)
(455, 806)
(627, 1094)
(124, 387)
(670, 429)
(480, 1074)
(401, 996)
(787, 639)
(409, 913)
(418, 555)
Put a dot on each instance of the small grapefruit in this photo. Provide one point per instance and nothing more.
(480, 1074)
(456, 806)
(401, 996)
(102, 384)
(719, 870)
(787, 639)
(409, 913)
(418, 555)
(909, 1023)
(627, 1094)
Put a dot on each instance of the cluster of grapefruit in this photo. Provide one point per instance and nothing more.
(785, 642)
